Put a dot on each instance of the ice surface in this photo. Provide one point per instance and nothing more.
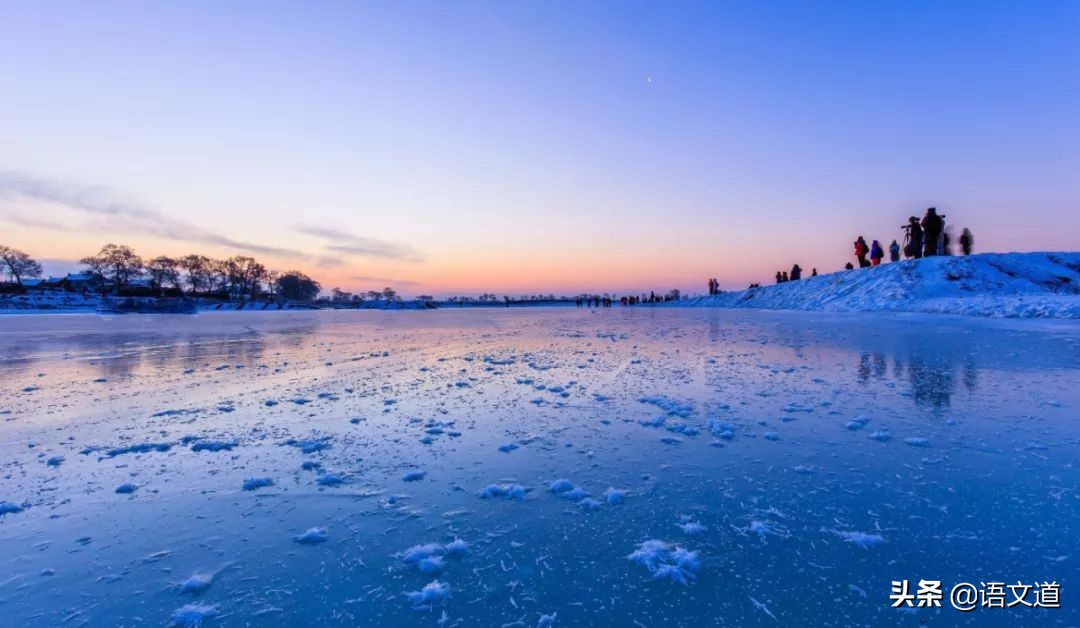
(594, 518)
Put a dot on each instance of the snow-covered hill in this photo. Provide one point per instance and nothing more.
(1014, 285)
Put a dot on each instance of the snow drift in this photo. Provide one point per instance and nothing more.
(1012, 285)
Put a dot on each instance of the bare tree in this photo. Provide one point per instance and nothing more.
(245, 275)
(18, 264)
(218, 271)
(197, 268)
(116, 262)
(163, 270)
(271, 279)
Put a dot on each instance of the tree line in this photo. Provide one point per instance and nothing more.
(118, 268)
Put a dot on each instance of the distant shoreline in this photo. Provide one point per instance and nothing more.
(997, 285)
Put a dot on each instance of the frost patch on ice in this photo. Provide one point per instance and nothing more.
(916, 441)
(614, 495)
(309, 445)
(428, 557)
(862, 539)
(197, 583)
(881, 436)
(511, 491)
(139, 448)
(213, 445)
(561, 486)
(667, 562)
(721, 429)
(254, 484)
(657, 421)
(588, 503)
(312, 536)
(456, 548)
(433, 593)
(857, 423)
(8, 508)
(767, 528)
(330, 479)
(193, 615)
(670, 406)
(691, 528)
(413, 476)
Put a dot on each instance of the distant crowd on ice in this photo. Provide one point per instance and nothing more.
(922, 238)
(633, 299)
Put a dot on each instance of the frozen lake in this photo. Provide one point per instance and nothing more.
(295, 468)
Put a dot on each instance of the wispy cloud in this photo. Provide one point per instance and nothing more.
(350, 244)
(113, 213)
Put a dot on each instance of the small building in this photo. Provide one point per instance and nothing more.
(81, 282)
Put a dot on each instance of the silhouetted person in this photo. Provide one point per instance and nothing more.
(932, 226)
(796, 273)
(779, 277)
(946, 242)
(967, 241)
(876, 253)
(849, 266)
(785, 278)
(894, 252)
(813, 272)
(913, 246)
(861, 251)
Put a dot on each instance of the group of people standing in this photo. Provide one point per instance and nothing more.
(923, 238)
(794, 275)
(875, 252)
(593, 301)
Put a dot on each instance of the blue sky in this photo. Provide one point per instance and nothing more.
(450, 147)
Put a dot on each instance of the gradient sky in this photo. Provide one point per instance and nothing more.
(465, 147)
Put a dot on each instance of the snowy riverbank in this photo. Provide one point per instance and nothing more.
(1002, 285)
